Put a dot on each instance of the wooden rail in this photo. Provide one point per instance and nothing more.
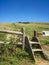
(1, 42)
(11, 32)
(17, 33)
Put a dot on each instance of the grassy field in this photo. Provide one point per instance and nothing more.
(29, 29)
(16, 56)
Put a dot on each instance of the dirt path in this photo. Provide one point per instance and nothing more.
(46, 50)
(41, 61)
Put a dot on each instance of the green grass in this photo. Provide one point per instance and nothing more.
(9, 55)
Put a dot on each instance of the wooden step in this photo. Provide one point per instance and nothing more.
(33, 42)
(35, 50)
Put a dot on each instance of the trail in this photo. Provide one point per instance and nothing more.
(41, 61)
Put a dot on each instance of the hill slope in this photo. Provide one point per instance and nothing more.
(9, 55)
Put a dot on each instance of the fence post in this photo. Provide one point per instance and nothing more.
(35, 33)
(23, 38)
(35, 38)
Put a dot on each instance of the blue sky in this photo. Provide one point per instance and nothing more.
(24, 10)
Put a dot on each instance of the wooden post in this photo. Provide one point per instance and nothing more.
(35, 33)
(35, 38)
(23, 38)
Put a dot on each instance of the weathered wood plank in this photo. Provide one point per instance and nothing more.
(31, 42)
(29, 48)
(1, 42)
(11, 32)
(35, 50)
